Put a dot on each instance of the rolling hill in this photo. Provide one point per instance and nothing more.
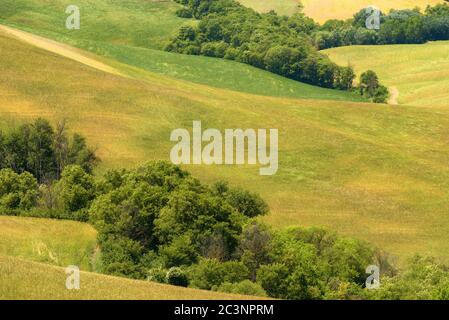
(418, 80)
(323, 10)
(27, 280)
(375, 172)
(131, 32)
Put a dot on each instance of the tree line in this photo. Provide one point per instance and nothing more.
(44, 151)
(396, 27)
(279, 44)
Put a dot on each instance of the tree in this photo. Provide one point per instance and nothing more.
(245, 287)
(41, 157)
(17, 191)
(76, 189)
(369, 82)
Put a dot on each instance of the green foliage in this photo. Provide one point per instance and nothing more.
(396, 27)
(169, 214)
(75, 190)
(275, 43)
(422, 279)
(211, 273)
(177, 277)
(245, 287)
(17, 191)
(245, 202)
(371, 88)
(44, 151)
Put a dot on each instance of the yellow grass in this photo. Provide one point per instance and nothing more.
(285, 7)
(26, 280)
(322, 10)
(417, 74)
(57, 242)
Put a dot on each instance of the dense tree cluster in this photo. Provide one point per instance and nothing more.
(396, 27)
(44, 151)
(157, 222)
(279, 44)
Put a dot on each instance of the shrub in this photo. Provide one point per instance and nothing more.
(245, 287)
(177, 277)
(17, 191)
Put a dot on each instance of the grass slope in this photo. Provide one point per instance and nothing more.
(26, 280)
(131, 31)
(56, 242)
(375, 172)
(323, 10)
(419, 72)
(140, 23)
(284, 7)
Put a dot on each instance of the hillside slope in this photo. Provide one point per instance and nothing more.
(26, 280)
(55, 242)
(374, 172)
(420, 73)
(136, 31)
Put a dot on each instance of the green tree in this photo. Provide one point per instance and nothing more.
(245, 287)
(17, 191)
(76, 189)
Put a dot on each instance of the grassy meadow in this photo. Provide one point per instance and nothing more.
(375, 172)
(408, 68)
(50, 241)
(26, 280)
(137, 22)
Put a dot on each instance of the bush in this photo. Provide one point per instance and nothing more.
(75, 190)
(17, 191)
(177, 277)
(245, 287)
(184, 13)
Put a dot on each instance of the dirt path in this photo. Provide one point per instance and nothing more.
(394, 95)
(58, 48)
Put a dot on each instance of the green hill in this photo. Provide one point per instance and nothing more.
(130, 31)
(375, 172)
